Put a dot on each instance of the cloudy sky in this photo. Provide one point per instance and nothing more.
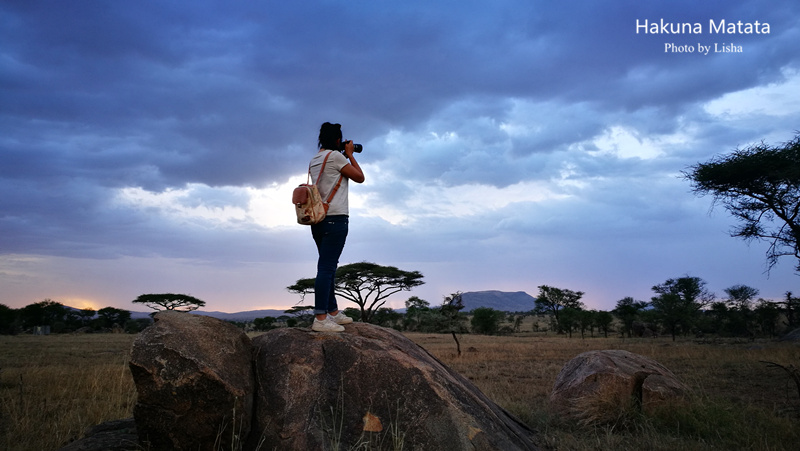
(152, 146)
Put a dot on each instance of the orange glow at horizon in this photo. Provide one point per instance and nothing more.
(81, 303)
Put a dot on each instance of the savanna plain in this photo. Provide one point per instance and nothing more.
(53, 387)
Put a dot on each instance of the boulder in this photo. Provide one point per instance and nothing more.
(195, 383)
(370, 387)
(600, 386)
(792, 336)
(117, 435)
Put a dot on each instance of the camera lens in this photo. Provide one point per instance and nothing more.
(357, 148)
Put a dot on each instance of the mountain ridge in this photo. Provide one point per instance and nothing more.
(505, 301)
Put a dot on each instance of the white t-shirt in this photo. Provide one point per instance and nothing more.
(335, 163)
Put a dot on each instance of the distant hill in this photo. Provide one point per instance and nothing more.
(249, 315)
(506, 301)
(238, 316)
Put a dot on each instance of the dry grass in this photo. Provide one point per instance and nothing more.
(53, 387)
(737, 402)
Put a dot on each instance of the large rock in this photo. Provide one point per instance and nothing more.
(599, 386)
(792, 336)
(195, 383)
(117, 435)
(370, 384)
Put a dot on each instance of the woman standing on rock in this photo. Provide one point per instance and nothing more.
(330, 234)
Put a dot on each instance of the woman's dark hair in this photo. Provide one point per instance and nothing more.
(328, 135)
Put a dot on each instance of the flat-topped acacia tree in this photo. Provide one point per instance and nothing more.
(170, 301)
(365, 284)
(760, 186)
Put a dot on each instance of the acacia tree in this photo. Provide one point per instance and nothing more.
(569, 320)
(265, 323)
(553, 300)
(85, 315)
(760, 186)
(365, 284)
(486, 320)
(791, 308)
(586, 321)
(678, 302)
(108, 316)
(627, 309)
(603, 321)
(7, 317)
(767, 315)
(303, 314)
(416, 310)
(741, 296)
(45, 313)
(170, 301)
(451, 306)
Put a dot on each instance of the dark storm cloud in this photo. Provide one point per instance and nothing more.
(214, 98)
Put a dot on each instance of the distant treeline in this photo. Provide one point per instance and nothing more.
(55, 317)
(682, 307)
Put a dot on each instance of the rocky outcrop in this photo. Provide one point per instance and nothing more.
(294, 389)
(792, 336)
(599, 386)
(117, 435)
(195, 383)
(371, 385)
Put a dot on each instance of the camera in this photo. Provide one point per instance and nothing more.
(357, 148)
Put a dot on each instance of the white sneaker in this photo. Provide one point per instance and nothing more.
(326, 325)
(340, 318)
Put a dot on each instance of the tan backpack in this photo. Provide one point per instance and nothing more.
(308, 204)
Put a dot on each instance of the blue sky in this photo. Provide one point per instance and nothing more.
(152, 146)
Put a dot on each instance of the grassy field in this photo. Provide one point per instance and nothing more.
(53, 387)
(737, 402)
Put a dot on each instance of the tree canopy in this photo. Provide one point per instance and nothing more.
(365, 284)
(627, 309)
(170, 301)
(7, 316)
(486, 320)
(108, 316)
(45, 313)
(760, 186)
(740, 296)
(554, 300)
(679, 300)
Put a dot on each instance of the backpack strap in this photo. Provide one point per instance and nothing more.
(338, 183)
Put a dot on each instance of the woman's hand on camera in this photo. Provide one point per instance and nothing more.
(352, 170)
(348, 148)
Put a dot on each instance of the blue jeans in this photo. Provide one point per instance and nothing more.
(330, 235)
